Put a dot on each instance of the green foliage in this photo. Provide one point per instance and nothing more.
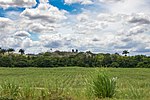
(65, 59)
(103, 86)
(114, 65)
(125, 52)
(21, 63)
(135, 92)
(10, 50)
(6, 61)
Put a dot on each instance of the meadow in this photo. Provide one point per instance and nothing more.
(70, 83)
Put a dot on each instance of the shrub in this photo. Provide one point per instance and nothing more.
(103, 86)
(114, 65)
(21, 64)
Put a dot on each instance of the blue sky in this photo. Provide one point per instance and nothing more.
(95, 25)
(74, 8)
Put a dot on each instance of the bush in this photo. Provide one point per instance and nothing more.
(21, 64)
(114, 65)
(103, 86)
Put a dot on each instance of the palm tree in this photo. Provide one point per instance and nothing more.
(125, 52)
(0, 50)
(21, 51)
(76, 50)
(72, 50)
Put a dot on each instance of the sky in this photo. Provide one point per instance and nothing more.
(100, 26)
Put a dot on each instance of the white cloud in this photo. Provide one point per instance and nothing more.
(139, 18)
(138, 29)
(17, 3)
(43, 1)
(22, 34)
(43, 19)
(112, 32)
(84, 2)
(39, 28)
(7, 27)
(120, 26)
(44, 12)
(110, 1)
(4, 22)
(129, 6)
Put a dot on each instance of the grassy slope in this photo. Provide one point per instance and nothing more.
(74, 79)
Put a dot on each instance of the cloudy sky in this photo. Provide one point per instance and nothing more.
(95, 25)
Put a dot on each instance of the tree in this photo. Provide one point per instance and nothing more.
(72, 50)
(0, 50)
(21, 63)
(21, 51)
(76, 50)
(3, 51)
(114, 65)
(125, 52)
(10, 50)
(117, 53)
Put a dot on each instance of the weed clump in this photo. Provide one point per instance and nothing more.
(103, 86)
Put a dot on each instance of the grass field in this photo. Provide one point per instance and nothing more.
(132, 84)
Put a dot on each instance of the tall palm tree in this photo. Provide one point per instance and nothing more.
(76, 50)
(0, 50)
(125, 52)
(21, 51)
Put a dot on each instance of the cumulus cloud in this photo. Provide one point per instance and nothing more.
(89, 24)
(7, 27)
(129, 6)
(39, 28)
(17, 3)
(110, 1)
(84, 2)
(4, 22)
(138, 30)
(112, 31)
(43, 19)
(44, 12)
(43, 1)
(118, 25)
(136, 42)
(139, 18)
(53, 44)
(22, 34)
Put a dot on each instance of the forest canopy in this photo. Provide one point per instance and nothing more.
(74, 58)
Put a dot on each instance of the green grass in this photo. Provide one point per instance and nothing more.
(132, 84)
(103, 86)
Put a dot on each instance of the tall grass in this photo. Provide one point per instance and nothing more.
(103, 86)
(9, 90)
(135, 92)
(71, 83)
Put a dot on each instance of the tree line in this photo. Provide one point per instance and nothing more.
(74, 58)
